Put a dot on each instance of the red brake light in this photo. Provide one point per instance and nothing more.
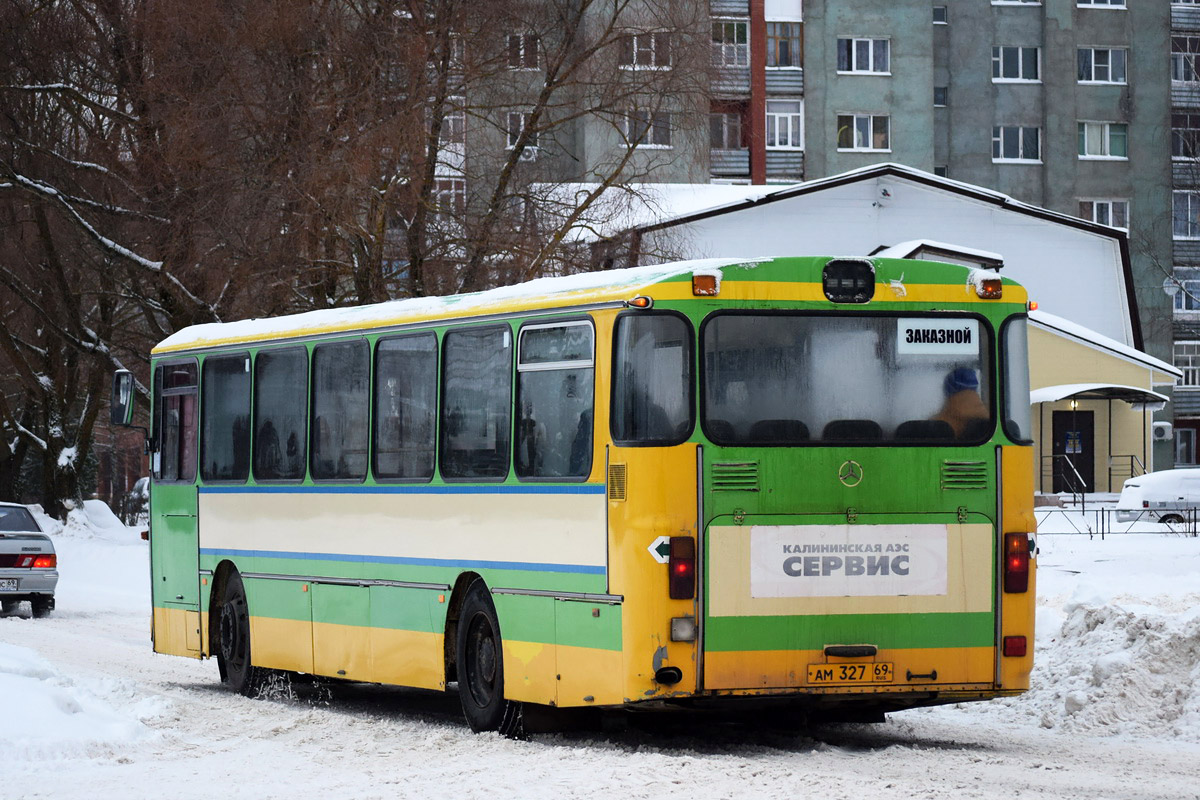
(45, 562)
(1016, 563)
(681, 567)
(1014, 646)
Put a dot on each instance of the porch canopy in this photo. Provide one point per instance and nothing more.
(1098, 391)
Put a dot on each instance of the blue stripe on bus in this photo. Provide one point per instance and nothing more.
(582, 569)
(582, 488)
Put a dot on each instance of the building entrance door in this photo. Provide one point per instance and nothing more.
(1074, 451)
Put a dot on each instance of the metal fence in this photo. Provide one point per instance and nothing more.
(1110, 521)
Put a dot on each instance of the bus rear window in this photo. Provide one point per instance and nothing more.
(788, 379)
(652, 379)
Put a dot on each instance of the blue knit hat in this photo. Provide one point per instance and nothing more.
(961, 378)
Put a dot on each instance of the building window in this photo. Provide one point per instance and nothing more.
(646, 50)
(1184, 50)
(785, 44)
(522, 51)
(1185, 215)
(1016, 143)
(647, 128)
(785, 124)
(1187, 291)
(518, 121)
(941, 15)
(1103, 3)
(864, 56)
(730, 43)
(941, 96)
(1015, 63)
(1103, 140)
(454, 122)
(1016, 2)
(1114, 213)
(1185, 135)
(448, 200)
(1185, 446)
(1101, 65)
(1187, 359)
(865, 132)
(725, 130)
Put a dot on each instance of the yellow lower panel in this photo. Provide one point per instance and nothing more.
(379, 655)
(529, 672)
(587, 672)
(788, 669)
(561, 675)
(281, 644)
(176, 632)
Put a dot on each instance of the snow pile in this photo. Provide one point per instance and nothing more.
(48, 714)
(94, 520)
(1117, 649)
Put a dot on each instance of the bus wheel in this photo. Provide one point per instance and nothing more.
(480, 665)
(233, 651)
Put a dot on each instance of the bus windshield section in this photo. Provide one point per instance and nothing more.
(652, 373)
(815, 379)
(1014, 350)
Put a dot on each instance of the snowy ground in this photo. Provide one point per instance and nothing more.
(88, 710)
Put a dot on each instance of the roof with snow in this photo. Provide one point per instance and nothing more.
(1100, 341)
(594, 287)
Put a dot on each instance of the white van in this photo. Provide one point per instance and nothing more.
(1167, 496)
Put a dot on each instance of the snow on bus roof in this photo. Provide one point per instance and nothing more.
(620, 283)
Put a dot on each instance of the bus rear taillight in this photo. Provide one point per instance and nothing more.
(1015, 646)
(1016, 562)
(682, 566)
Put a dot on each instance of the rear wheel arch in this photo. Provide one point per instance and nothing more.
(220, 577)
(450, 640)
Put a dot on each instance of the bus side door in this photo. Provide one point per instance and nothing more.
(174, 554)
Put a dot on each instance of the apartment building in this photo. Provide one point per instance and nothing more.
(1065, 104)
(1185, 178)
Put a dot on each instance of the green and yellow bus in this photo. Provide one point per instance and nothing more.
(803, 480)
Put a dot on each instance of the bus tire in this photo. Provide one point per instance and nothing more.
(233, 641)
(480, 667)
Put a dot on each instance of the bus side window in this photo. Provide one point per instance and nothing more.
(225, 421)
(476, 403)
(652, 379)
(280, 414)
(341, 386)
(555, 387)
(405, 407)
(176, 422)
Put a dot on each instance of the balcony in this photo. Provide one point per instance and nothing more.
(729, 163)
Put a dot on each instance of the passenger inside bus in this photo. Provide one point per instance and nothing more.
(963, 405)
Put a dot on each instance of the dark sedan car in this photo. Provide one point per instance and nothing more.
(28, 564)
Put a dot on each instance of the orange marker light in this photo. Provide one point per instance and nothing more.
(641, 301)
(705, 286)
(1031, 305)
(990, 288)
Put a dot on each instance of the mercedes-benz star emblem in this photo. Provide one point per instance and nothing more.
(850, 473)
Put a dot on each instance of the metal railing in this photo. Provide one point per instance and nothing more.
(1123, 467)
(1104, 522)
(1075, 483)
